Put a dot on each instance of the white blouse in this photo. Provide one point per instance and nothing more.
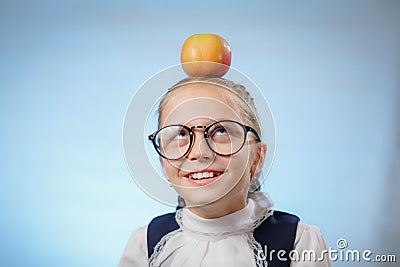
(225, 241)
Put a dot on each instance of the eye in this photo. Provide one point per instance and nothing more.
(182, 135)
(220, 134)
(220, 131)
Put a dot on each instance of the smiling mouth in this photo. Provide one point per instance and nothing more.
(203, 175)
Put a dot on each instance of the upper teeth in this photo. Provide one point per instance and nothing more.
(201, 175)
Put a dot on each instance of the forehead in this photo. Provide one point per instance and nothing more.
(198, 101)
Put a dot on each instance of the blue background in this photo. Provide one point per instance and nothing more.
(68, 69)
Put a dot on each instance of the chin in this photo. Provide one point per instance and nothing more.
(204, 195)
(198, 200)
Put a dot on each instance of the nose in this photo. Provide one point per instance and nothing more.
(199, 149)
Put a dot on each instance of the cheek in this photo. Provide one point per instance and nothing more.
(239, 163)
(170, 169)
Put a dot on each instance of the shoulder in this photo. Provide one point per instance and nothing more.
(277, 232)
(143, 239)
(162, 225)
(162, 219)
(159, 227)
(309, 239)
(283, 217)
(310, 234)
(279, 221)
(135, 253)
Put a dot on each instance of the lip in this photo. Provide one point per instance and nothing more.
(204, 181)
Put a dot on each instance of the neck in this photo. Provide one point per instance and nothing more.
(220, 207)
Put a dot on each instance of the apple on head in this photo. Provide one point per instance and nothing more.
(206, 55)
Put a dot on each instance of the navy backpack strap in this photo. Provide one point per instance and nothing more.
(277, 232)
(159, 227)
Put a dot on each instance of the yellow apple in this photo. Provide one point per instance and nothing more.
(206, 55)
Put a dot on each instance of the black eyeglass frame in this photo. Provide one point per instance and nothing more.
(246, 129)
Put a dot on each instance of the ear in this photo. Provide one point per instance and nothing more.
(259, 159)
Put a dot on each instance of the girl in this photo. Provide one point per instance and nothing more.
(211, 152)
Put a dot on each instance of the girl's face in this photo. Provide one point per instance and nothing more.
(202, 177)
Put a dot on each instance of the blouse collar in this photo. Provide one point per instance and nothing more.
(236, 223)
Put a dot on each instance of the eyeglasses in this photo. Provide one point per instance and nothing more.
(225, 138)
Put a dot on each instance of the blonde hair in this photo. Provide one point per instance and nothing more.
(238, 96)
